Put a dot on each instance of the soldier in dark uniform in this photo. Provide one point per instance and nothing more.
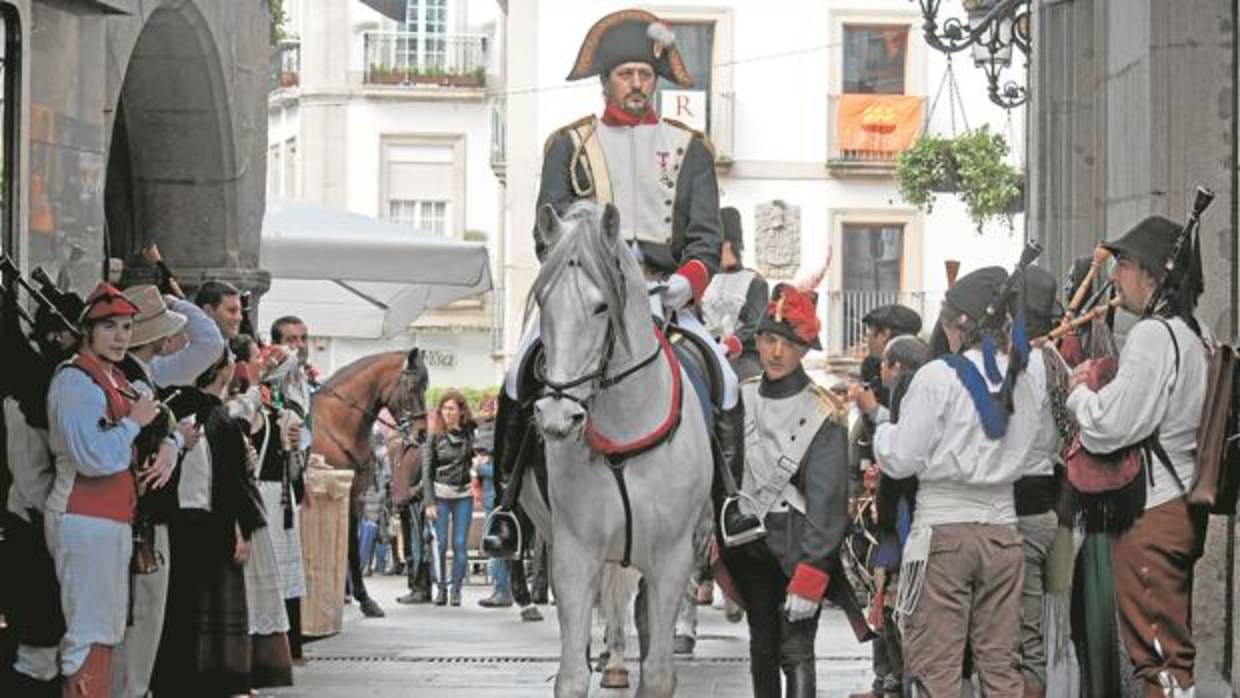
(735, 300)
(660, 174)
(796, 471)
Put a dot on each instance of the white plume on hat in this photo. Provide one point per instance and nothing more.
(661, 34)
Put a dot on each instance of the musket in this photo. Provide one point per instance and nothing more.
(1172, 276)
(8, 266)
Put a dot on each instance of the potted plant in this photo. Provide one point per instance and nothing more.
(971, 164)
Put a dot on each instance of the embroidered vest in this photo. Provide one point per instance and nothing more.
(109, 496)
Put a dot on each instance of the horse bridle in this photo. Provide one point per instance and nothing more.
(558, 389)
(404, 423)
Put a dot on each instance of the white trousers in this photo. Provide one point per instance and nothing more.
(92, 562)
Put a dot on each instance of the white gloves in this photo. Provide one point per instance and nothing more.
(677, 292)
(798, 609)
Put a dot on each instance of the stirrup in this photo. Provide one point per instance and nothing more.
(730, 539)
(486, 527)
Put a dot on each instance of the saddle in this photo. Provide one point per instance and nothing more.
(702, 368)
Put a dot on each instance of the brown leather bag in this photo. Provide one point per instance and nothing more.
(1215, 479)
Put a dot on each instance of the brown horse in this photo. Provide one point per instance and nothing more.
(344, 412)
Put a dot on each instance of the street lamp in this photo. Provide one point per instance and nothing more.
(992, 28)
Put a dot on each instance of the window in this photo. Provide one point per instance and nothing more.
(874, 58)
(424, 216)
(872, 256)
(424, 183)
(427, 21)
(696, 42)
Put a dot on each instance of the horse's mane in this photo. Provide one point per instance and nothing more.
(604, 260)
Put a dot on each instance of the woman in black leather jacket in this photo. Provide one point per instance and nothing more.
(446, 476)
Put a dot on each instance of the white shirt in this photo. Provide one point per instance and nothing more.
(1147, 394)
(1046, 447)
(30, 462)
(965, 477)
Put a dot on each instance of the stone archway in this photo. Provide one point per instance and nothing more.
(175, 174)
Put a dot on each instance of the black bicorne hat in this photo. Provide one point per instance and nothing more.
(630, 36)
(793, 315)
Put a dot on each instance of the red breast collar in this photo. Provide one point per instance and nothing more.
(619, 451)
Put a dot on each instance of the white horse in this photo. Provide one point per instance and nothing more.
(628, 455)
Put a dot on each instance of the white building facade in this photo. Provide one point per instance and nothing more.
(770, 77)
(391, 119)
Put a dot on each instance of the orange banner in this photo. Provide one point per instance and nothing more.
(877, 123)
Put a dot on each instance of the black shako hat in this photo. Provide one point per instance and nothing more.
(898, 319)
(793, 315)
(975, 291)
(732, 232)
(630, 36)
(1041, 301)
(1149, 242)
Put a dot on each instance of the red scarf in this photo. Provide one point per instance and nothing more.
(110, 496)
(613, 115)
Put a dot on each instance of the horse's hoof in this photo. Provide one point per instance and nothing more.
(371, 609)
(615, 678)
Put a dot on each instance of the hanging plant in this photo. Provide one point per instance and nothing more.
(971, 164)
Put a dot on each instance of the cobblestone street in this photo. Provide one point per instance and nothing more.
(472, 652)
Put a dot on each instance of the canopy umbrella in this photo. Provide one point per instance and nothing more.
(349, 275)
(394, 9)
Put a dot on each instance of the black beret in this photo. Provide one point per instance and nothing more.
(1041, 301)
(975, 291)
(1149, 242)
(899, 319)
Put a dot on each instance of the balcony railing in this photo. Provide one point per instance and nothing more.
(286, 64)
(410, 58)
(844, 310)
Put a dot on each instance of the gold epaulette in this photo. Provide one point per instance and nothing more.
(587, 119)
(710, 146)
(830, 404)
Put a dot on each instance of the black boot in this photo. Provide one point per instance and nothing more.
(501, 539)
(736, 526)
(764, 672)
(800, 680)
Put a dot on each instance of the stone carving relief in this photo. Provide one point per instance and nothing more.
(778, 239)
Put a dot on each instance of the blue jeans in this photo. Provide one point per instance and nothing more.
(460, 511)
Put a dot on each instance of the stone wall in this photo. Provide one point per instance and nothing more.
(1133, 104)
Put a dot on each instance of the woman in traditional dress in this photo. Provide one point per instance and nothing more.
(206, 648)
(272, 660)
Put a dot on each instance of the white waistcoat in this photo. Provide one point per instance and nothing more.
(643, 164)
(778, 432)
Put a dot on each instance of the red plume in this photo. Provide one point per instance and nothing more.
(796, 308)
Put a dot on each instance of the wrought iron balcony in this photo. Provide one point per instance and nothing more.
(420, 59)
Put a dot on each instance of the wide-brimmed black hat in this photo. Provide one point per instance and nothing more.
(1149, 242)
(975, 291)
(1041, 301)
(630, 36)
(898, 319)
(793, 315)
(732, 232)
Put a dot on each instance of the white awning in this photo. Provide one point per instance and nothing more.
(349, 275)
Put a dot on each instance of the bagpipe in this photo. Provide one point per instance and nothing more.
(1110, 488)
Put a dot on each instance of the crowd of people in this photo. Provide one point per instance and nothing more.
(157, 450)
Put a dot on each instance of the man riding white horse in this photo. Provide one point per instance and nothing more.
(660, 175)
